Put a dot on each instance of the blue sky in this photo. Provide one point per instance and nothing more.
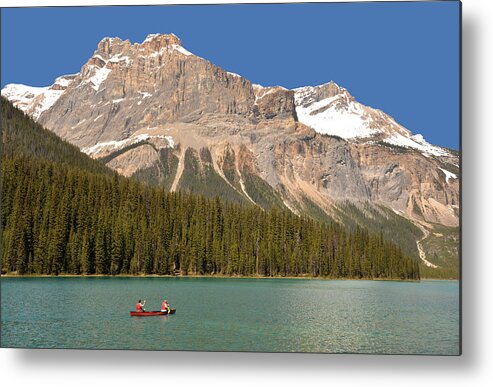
(402, 58)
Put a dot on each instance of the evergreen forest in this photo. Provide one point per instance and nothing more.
(65, 213)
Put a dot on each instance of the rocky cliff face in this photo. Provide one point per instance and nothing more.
(124, 88)
(140, 107)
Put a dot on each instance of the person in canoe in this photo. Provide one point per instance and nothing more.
(165, 306)
(139, 306)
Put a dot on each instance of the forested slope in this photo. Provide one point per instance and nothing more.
(22, 136)
(62, 213)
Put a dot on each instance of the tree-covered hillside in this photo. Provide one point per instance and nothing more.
(22, 136)
(63, 213)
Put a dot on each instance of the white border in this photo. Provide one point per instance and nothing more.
(86, 368)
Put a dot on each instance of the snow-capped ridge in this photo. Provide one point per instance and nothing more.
(234, 74)
(330, 109)
(319, 86)
(149, 37)
(31, 100)
(64, 81)
(35, 100)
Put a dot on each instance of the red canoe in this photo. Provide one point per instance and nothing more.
(152, 313)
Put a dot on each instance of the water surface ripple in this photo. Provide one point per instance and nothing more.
(220, 314)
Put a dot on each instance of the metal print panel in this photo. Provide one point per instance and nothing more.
(247, 177)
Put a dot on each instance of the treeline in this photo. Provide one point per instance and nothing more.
(62, 215)
(58, 219)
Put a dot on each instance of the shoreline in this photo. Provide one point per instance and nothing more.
(11, 275)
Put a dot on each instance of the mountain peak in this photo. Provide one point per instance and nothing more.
(309, 94)
(158, 41)
(141, 105)
(154, 42)
(108, 45)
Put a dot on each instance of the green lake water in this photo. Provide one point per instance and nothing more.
(219, 314)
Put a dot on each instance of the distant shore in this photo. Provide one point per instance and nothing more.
(14, 275)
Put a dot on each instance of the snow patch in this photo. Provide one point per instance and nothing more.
(99, 57)
(261, 92)
(310, 89)
(150, 37)
(49, 98)
(93, 150)
(118, 58)
(99, 76)
(145, 94)
(181, 49)
(171, 142)
(111, 146)
(32, 100)
(64, 80)
(416, 142)
(336, 116)
(173, 47)
(448, 174)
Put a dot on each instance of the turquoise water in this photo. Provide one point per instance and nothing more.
(218, 314)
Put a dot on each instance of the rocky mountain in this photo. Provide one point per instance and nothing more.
(158, 112)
